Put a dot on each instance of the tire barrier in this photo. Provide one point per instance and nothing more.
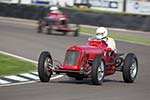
(133, 22)
(22, 11)
(126, 21)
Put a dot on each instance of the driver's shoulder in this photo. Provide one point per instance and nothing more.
(110, 39)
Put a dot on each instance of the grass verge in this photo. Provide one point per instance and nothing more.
(11, 66)
(120, 37)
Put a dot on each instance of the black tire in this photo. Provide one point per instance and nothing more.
(79, 78)
(40, 26)
(130, 68)
(64, 32)
(76, 33)
(98, 70)
(43, 69)
(39, 30)
(49, 29)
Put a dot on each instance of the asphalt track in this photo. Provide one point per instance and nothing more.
(22, 40)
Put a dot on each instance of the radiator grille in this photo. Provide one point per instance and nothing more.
(71, 58)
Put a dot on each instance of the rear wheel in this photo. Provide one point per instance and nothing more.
(76, 32)
(44, 66)
(79, 78)
(98, 70)
(40, 28)
(64, 32)
(130, 68)
(49, 29)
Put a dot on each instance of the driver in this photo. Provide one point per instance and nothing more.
(102, 35)
(55, 9)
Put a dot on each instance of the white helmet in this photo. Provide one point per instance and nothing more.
(101, 33)
(53, 8)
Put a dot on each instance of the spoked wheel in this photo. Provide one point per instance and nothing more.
(79, 78)
(98, 70)
(64, 32)
(45, 66)
(130, 68)
(40, 28)
(49, 29)
(76, 32)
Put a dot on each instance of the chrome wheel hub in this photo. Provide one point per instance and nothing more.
(133, 69)
(47, 66)
(100, 71)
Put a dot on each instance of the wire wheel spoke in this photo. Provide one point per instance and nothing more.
(133, 69)
(47, 66)
(100, 71)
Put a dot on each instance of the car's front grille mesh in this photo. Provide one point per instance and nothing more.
(71, 58)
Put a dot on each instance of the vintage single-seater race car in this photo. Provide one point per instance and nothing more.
(93, 60)
(57, 21)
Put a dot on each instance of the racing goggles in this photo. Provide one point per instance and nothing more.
(100, 33)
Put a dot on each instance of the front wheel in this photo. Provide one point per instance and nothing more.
(130, 68)
(76, 32)
(65, 33)
(49, 29)
(98, 70)
(79, 78)
(40, 26)
(44, 66)
(39, 29)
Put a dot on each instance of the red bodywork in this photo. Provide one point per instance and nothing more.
(57, 24)
(79, 59)
(56, 16)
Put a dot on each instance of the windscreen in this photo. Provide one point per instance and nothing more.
(71, 58)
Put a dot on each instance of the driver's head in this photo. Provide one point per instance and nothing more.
(101, 33)
(53, 8)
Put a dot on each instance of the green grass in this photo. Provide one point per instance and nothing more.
(118, 36)
(11, 66)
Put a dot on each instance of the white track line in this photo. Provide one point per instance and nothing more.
(58, 76)
(19, 57)
(32, 76)
(17, 83)
(3, 82)
(16, 78)
(35, 73)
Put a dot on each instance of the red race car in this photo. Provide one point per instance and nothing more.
(56, 21)
(93, 60)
